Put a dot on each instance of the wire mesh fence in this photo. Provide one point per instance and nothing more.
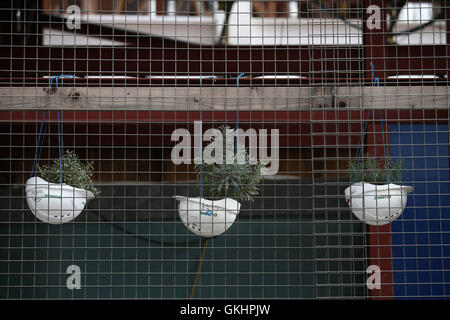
(170, 149)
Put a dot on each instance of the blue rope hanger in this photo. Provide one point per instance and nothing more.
(360, 153)
(236, 129)
(38, 149)
(376, 82)
(201, 163)
(384, 148)
(39, 143)
(235, 141)
(60, 140)
(60, 77)
(201, 119)
(59, 147)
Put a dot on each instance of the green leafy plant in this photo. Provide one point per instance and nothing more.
(374, 171)
(230, 179)
(74, 172)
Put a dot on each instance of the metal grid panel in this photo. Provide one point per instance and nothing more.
(113, 80)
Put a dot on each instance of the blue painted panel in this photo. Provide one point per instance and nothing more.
(421, 236)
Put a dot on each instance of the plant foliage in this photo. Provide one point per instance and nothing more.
(230, 180)
(374, 171)
(74, 172)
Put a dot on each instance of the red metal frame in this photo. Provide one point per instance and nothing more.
(330, 128)
(378, 238)
(379, 250)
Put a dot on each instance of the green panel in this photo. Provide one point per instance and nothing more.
(255, 258)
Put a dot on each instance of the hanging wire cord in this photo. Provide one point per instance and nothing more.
(43, 128)
(205, 243)
(144, 238)
(164, 244)
(199, 268)
(39, 144)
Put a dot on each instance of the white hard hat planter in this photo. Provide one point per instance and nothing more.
(207, 218)
(376, 199)
(55, 203)
(62, 188)
(224, 180)
(377, 204)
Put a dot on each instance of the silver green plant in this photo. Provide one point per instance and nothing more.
(230, 179)
(75, 173)
(374, 171)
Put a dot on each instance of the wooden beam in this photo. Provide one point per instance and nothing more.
(224, 98)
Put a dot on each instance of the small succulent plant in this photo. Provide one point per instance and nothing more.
(74, 172)
(231, 180)
(374, 171)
